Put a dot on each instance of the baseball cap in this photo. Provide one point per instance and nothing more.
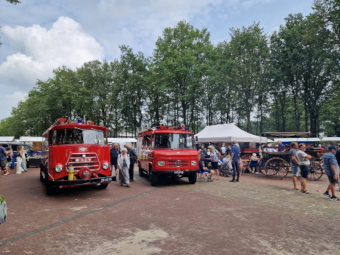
(332, 147)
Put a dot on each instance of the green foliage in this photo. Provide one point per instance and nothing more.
(285, 82)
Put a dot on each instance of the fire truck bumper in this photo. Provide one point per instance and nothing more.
(80, 182)
(183, 173)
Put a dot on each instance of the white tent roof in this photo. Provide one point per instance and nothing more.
(30, 139)
(227, 133)
(6, 138)
(122, 140)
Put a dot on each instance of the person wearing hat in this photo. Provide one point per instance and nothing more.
(331, 168)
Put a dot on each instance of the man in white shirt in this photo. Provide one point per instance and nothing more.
(223, 150)
(304, 161)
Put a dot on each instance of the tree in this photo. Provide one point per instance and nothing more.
(250, 56)
(182, 58)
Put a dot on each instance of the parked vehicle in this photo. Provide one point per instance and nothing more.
(167, 151)
(75, 154)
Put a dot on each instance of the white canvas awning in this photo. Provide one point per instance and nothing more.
(24, 139)
(6, 138)
(122, 140)
(227, 133)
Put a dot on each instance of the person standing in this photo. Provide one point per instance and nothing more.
(214, 158)
(3, 158)
(235, 154)
(123, 162)
(331, 168)
(304, 161)
(114, 152)
(294, 163)
(133, 158)
(20, 151)
(8, 160)
(24, 156)
(223, 150)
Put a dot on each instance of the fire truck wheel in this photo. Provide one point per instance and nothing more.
(51, 189)
(103, 186)
(41, 177)
(153, 178)
(141, 173)
(192, 178)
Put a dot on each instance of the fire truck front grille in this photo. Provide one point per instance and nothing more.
(178, 163)
(80, 160)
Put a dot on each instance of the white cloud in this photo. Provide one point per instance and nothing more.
(9, 101)
(41, 50)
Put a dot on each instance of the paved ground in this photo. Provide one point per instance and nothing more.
(256, 216)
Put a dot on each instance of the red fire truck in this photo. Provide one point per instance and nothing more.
(167, 151)
(75, 154)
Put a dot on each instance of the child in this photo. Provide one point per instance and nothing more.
(8, 160)
(254, 163)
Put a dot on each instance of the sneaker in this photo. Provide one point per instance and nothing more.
(257, 173)
(335, 199)
(326, 194)
(209, 180)
(232, 180)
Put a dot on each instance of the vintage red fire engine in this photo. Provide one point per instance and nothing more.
(167, 151)
(75, 154)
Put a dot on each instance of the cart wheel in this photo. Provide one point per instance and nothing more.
(277, 168)
(262, 168)
(316, 171)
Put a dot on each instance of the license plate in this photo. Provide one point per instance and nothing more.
(109, 179)
(178, 172)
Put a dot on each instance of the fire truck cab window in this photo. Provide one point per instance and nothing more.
(147, 141)
(174, 141)
(77, 136)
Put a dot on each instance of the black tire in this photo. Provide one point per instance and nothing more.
(141, 171)
(153, 178)
(103, 186)
(41, 176)
(192, 178)
(50, 189)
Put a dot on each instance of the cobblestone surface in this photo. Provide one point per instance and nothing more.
(255, 216)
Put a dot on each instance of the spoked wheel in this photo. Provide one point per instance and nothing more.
(277, 168)
(316, 171)
(262, 165)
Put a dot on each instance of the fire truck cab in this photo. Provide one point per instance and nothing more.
(75, 154)
(167, 151)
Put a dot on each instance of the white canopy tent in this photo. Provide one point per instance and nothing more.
(6, 138)
(227, 133)
(30, 139)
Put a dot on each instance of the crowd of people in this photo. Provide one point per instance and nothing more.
(6, 156)
(300, 163)
(123, 161)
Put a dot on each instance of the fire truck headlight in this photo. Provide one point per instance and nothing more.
(58, 168)
(193, 162)
(105, 165)
(161, 163)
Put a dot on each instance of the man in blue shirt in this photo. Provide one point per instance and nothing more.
(3, 158)
(235, 154)
(331, 168)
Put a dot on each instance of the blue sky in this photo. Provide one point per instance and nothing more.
(39, 36)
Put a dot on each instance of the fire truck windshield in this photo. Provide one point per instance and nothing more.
(174, 141)
(77, 136)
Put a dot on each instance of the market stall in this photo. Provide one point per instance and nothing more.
(227, 133)
(35, 154)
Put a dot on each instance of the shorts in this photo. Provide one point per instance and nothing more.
(8, 164)
(204, 171)
(331, 179)
(3, 164)
(295, 169)
(304, 171)
(214, 165)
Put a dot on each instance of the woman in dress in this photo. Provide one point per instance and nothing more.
(20, 153)
(123, 166)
